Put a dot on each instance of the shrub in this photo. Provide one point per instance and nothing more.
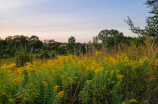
(44, 54)
(53, 53)
(22, 57)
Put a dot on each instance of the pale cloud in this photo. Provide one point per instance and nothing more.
(15, 4)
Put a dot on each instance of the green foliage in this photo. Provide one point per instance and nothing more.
(12, 52)
(71, 40)
(151, 27)
(53, 53)
(62, 50)
(44, 54)
(107, 33)
(22, 57)
(37, 44)
(1, 54)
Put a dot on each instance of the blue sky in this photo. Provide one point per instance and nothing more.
(60, 19)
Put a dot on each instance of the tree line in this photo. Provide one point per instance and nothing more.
(109, 39)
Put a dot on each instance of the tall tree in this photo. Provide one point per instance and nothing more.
(71, 44)
(107, 33)
(71, 40)
(151, 27)
(95, 39)
(34, 38)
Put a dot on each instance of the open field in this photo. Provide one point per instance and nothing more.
(119, 77)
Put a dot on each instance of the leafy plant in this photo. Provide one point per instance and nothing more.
(22, 57)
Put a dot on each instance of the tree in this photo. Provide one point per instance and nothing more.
(95, 39)
(49, 42)
(107, 33)
(34, 38)
(71, 40)
(71, 44)
(36, 44)
(151, 27)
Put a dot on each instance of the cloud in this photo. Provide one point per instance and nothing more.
(15, 4)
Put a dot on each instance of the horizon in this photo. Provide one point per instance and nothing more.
(58, 20)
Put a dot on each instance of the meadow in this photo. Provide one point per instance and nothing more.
(127, 75)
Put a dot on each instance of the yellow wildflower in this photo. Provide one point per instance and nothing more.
(97, 53)
(133, 101)
(112, 71)
(118, 70)
(88, 81)
(11, 100)
(60, 94)
(45, 83)
(97, 70)
(87, 68)
(123, 103)
(56, 87)
(120, 77)
(92, 68)
(9, 71)
(4, 93)
(15, 81)
(50, 78)
(62, 76)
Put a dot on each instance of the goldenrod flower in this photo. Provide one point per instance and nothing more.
(9, 71)
(112, 71)
(87, 68)
(118, 70)
(123, 103)
(62, 76)
(56, 87)
(97, 70)
(88, 81)
(133, 101)
(60, 94)
(15, 81)
(45, 83)
(120, 77)
(11, 100)
(4, 93)
(97, 53)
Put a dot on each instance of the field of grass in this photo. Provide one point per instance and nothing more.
(122, 76)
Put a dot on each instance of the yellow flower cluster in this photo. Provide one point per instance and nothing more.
(44, 83)
(120, 77)
(11, 100)
(60, 94)
(133, 100)
(17, 81)
(88, 81)
(56, 87)
(97, 53)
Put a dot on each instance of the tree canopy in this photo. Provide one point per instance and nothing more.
(107, 33)
(151, 27)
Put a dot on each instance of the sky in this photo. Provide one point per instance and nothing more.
(61, 19)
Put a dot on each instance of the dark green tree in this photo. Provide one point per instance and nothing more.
(71, 40)
(151, 27)
(71, 44)
(107, 33)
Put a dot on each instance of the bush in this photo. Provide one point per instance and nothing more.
(62, 50)
(44, 54)
(12, 52)
(22, 57)
(53, 53)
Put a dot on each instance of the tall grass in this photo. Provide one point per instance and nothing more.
(125, 75)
